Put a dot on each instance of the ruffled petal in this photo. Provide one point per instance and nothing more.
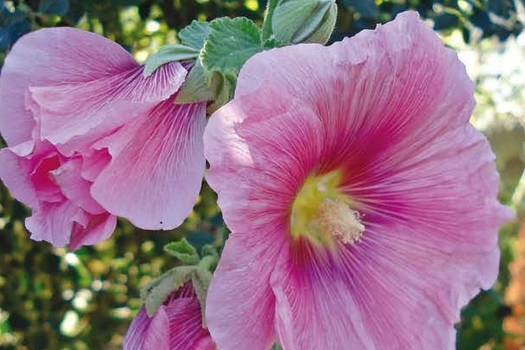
(63, 210)
(64, 223)
(157, 165)
(89, 229)
(50, 57)
(74, 187)
(13, 174)
(240, 303)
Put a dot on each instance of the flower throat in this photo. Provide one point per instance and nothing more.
(322, 214)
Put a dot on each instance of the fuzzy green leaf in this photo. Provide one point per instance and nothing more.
(183, 251)
(230, 43)
(195, 34)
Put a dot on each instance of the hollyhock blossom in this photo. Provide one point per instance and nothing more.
(176, 325)
(362, 203)
(90, 138)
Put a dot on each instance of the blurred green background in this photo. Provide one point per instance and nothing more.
(54, 299)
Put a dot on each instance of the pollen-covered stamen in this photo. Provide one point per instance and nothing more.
(337, 219)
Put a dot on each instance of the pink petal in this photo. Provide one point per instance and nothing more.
(63, 210)
(12, 173)
(389, 83)
(64, 223)
(157, 164)
(100, 106)
(91, 229)
(49, 57)
(185, 326)
(290, 126)
(316, 306)
(74, 187)
(75, 86)
(239, 297)
(147, 333)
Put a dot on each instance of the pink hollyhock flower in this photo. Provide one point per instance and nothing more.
(176, 325)
(90, 138)
(362, 203)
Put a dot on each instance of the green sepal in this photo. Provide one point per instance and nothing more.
(201, 279)
(169, 53)
(210, 257)
(224, 92)
(199, 86)
(183, 251)
(155, 293)
(195, 34)
(230, 43)
(267, 31)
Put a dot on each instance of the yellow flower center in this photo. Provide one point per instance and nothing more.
(322, 213)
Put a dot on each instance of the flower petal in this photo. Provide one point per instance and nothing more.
(74, 187)
(89, 229)
(156, 169)
(284, 140)
(315, 305)
(240, 297)
(147, 333)
(64, 223)
(13, 175)
(100, 106)
(185, 325)
(395, 81)
(49, 57)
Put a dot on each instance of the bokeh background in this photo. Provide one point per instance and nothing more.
(56, 299)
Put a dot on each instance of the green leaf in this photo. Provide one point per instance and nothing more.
(169, 53)
(230, 43)
(199, 86)
(195, 34)
(183, 251)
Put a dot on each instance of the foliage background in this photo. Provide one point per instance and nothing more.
(55, 299)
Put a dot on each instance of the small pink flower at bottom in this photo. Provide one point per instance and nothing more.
(362, 204)
(176, 325)
(90, 138)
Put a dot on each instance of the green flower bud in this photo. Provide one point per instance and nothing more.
(304, 21)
